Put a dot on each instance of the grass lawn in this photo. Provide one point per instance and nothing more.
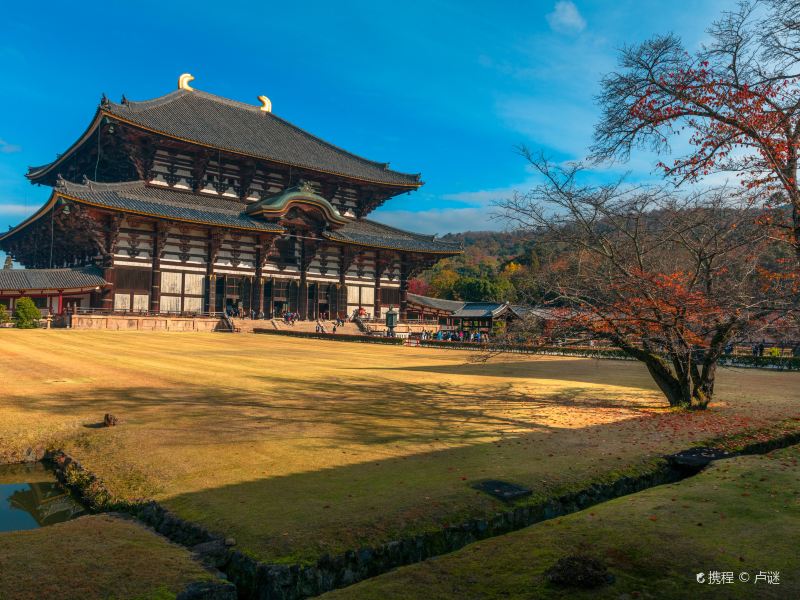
(302, 447)
(742, 514)
(98, 556)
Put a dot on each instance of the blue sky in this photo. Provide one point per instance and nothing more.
(440, 87)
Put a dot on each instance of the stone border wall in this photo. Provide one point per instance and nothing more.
(264, 581)
(142, 323)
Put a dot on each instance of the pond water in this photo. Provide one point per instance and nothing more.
(30, 497)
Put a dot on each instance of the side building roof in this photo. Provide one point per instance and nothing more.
(365, 232)
(16, 280)
(482, 309)
(436, 303)
(219, 123)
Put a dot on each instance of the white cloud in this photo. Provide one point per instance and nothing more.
(485, 198)
(6, 148)
(15, 209)
(441, 220)
(566, 18)
(558, 123)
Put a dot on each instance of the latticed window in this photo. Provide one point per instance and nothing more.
(133, 279)
(170, 304)
(122, 301)
(280, 289)
(193, 284)
(390, 296)
(367, 296)
(171, 283)
(194, 305)
(233, 287)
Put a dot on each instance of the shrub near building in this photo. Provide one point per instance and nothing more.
(4, 316)
(26, 314)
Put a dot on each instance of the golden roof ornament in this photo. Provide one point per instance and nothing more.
(183, 82)
(266, 104)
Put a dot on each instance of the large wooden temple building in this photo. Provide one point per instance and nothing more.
(191, 203)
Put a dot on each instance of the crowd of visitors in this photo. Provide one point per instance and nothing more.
(455, 336)
(760, 349)
(289, 318)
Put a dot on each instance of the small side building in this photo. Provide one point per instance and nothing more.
(54, 291)
(457, 315)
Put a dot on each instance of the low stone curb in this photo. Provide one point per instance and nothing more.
(333, 337)
(770, 363)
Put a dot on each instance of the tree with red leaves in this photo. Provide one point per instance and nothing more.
(669, 279)
(738, 100)
(418, 286)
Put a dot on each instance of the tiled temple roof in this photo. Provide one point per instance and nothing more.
(140, 198)
(436, 303)
(148, 200)
(365, 232)
(481, 309)
(50, 279)
(215, 122)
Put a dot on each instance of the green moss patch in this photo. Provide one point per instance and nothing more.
(740, 515)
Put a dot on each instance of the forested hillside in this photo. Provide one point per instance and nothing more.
(495, 266)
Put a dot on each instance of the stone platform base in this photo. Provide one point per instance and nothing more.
(135, 323)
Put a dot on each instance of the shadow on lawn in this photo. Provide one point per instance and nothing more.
(374, 456)
(604, 372)
(351, 410)
(377, 458)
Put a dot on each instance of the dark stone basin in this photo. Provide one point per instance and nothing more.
(30, 497)
(502, 490)
(694, 460)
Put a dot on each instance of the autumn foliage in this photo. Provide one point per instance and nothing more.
(737, 100)
(670, 279)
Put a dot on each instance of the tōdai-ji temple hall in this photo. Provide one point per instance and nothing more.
(193, 204)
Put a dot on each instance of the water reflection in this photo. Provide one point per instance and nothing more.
(30, 497)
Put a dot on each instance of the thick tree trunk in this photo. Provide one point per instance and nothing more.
(692, 389)
(703, 391)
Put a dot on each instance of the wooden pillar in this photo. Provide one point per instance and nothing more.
(306, 256)
(159, 240)
(404, 269)
(262, 253)
(214, 243)
(302, 297)
(343, 266)
(259, 289)
(211, 293)
(348, 256)
(379, 270)
(111, 230)
(107, 293)
(269, 307)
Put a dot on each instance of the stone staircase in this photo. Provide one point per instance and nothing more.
(248, 325)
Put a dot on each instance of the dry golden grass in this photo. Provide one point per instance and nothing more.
(93, 557)
(300, 447)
